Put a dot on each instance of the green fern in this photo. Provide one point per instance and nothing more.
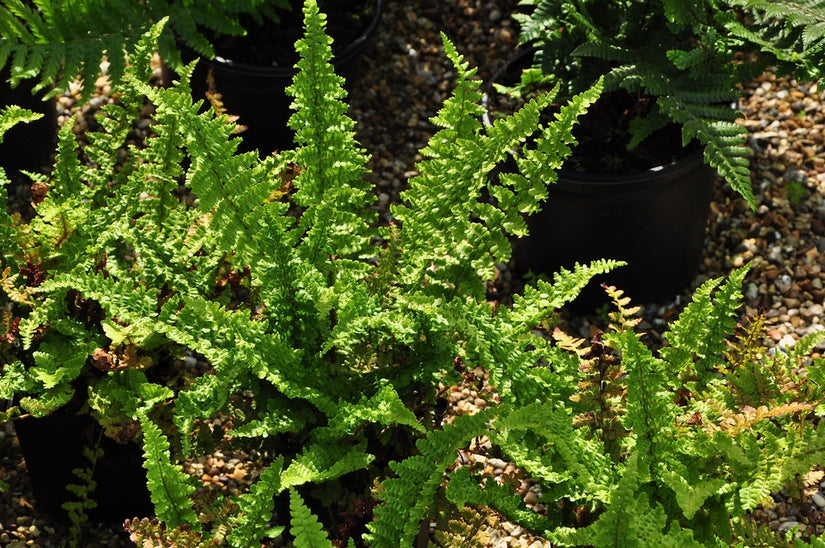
(255, 508)
(408, 498)
(77, 509)
(333, 364)
(792, 32)
(306, 529)
(632, 520)
(681, 54)
(169, 486)
(57, 42)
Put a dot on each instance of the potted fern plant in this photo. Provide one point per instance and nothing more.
(672, 74)
(322, 350)
(329, 363)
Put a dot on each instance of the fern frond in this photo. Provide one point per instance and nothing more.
(169, 486)
(468, 530)
(793, 32)
(407, 498)
(464, 489)
(255, 508)
(561, 455)
(331, 187)
(702, 327)
(305, 527)
(631, 519)
(11, 115)
(58, 43)
(650, 410)
(152, 532)
(462, 252)
(324, 461)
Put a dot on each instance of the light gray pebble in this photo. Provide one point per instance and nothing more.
(814, 309)
(818, 499)
(786, 526)
(497, 463)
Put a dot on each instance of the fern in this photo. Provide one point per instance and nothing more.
(470, 531)
(330, 365)
(407, 499)
(77, 509)
(631, 521)
(151, 532)
(58, 43)
(793, 33)
(255, 508)
(169, 486)
(307, 531)
(681, 54)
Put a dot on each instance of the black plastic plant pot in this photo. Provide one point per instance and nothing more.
(26, 146)
(653, 220)
(52, 447)
(256, 92)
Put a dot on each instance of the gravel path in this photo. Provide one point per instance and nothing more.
(405, 77)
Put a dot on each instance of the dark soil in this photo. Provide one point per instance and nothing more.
(603, 133)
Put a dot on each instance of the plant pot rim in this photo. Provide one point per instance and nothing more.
(669, 170)
(349, 51)
(567, 177)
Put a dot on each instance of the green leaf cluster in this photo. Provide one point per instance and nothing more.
(59, 42)
(273, 302)
(691, 56)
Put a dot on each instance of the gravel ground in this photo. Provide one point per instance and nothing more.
(404, 79)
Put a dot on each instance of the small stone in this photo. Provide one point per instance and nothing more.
(815, 310)
(787, 526)
(818, 499)
(497, 463)
(784, 283)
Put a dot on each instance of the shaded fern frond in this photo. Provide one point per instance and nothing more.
(58, 42)
(169, 486)
(255, 509)
(407, 498)
(792, 31)
(305, 527)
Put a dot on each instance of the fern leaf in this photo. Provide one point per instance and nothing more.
(691, 495)
(255, 508)
(305, 527)
(469, 530)
(385, 407)
(12, 115)
(169, 486)
(702, 327)
(650, 411)
(459, 158)
(407, 498)
(331, 187)
(631, 519)
(321, 462)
